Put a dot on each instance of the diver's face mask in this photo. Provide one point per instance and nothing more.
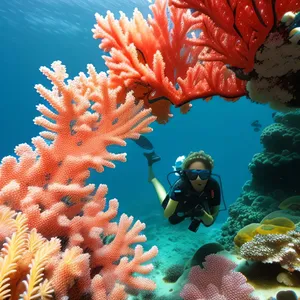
(192, 174)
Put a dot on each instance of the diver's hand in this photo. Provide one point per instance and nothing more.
(207, 218)
(199, 212)
(188, 213)
(195, 212)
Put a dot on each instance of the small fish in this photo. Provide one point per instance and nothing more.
(255, 123)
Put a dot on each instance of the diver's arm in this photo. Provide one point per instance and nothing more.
(207, 218)
(215, 211)
(170, 209)
(161, 193)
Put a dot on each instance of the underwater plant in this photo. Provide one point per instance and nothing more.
(194, 49)
(47, 183)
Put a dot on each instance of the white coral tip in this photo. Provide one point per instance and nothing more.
(294, 35)
(288, 18)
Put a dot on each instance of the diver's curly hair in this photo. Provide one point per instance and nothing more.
(198, 156)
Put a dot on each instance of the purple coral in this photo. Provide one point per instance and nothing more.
(217, 281)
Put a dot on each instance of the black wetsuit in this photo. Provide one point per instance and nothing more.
(183, 192)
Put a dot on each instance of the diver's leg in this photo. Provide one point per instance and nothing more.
(159, 189)
(144, 143)
(150, 154)
(152, 158)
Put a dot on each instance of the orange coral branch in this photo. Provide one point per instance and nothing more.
(47, 183)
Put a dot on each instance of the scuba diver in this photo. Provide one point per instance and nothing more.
(195, 195)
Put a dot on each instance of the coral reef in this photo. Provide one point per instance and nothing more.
(288, 279)
(290, 203)
(275, 177)
(47, 184)
(61, 241)
(275, 75)
(206, 249)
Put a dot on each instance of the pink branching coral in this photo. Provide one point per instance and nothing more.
(159, 63)
(217, 281)
(47, 184)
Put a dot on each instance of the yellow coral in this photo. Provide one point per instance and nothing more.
(290, 203)
(11, 252)
(38, 264)
(23, 259)
(279, 225)
(246, 234)
(7, 222)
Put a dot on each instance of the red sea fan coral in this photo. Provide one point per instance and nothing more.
(232, 31)
(194, 49)
(258, 40)
(48, 185)
(156, 59)
(217, 281)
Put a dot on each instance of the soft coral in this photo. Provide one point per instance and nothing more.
(217, 281)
